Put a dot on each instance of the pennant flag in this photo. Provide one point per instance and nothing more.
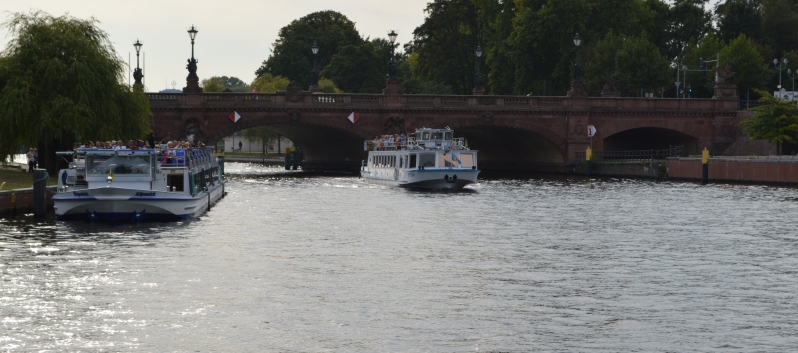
(235, 116)
(353, 117)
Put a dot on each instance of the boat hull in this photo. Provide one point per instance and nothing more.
(427, 179)
(131, 205)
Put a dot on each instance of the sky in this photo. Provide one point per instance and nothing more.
(235, 36)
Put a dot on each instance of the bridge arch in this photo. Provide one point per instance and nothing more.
(518, 146)
(339, 145)
(649, 138)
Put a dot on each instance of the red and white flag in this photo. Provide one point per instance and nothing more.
(353, 117)
(235, 116)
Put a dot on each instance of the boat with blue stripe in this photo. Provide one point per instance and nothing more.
(429, 159)
(124, 185)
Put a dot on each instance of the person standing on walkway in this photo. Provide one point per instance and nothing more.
(35, 158)
(30, 160)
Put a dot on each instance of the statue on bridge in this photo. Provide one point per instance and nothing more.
(192, 67)
(724, 76)
(610, 88)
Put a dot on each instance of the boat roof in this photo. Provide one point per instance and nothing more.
(108, 152)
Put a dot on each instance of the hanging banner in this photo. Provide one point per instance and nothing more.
(591, 130)
(353, 117)
(235, 117)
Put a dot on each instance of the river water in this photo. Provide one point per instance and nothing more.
(290, 262)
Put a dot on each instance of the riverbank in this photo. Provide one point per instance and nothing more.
(774, 170)
(12, 176)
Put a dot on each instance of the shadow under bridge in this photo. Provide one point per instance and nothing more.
(324, 148)
(510, 149)
(650, 138)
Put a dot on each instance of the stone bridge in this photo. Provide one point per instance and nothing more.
(510, 132)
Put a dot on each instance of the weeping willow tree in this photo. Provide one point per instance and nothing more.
(62, 82)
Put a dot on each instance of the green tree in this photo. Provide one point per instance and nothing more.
(328, 86)
(61, 82)
(543, 31)
(641, 66)
(213, 84)
(600, 61)
(703, 82)
(262, 135)
(780, 25)
(775, 121)
(750, 69)
(499, 69)
(291, 55)
(736, 17)
(269, 83)
(636, 62)
(234, 84)
(688, 22)
(445, 43)
(358, 68)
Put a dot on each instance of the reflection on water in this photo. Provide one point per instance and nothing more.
(294, 262)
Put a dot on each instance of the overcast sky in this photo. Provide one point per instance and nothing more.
(234, 37)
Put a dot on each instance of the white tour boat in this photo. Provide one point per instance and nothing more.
(429, 159)
(138, 185)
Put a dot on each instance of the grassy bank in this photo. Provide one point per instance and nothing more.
(16, 178)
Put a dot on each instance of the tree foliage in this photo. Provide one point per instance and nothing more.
(635, 61)
(358, 68)
(269, 83)
(262, 135)
(219, 84)
(775, 121)
(528, 45)
(291, 55)
(61, 81)
(749, 67)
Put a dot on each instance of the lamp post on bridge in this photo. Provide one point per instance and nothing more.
(780, 66)
(577, 87)
(314, 75)
(392, 85)
(392, 69)
(792, 75)
(137, 75)
(478, 90)
(192, 81)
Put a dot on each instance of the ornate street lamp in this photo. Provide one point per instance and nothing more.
(192, 81)
(392, 70)
(793, 76)
(137, 75)
(577, 67)
(314, 75)
(780, 66)
(478, 77)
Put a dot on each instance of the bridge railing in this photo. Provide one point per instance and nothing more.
(638, 155)
(442, 101)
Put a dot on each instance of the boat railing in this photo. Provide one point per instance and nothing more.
(186, 158)
(410, 143)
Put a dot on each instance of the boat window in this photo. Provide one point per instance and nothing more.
(425, 135)
(412, 161)
(447, 135)
(120, 165)
(438, 136)
(426, 160)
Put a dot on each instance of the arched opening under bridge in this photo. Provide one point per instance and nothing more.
(324, 148)
(506, 148)
(650, 138)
